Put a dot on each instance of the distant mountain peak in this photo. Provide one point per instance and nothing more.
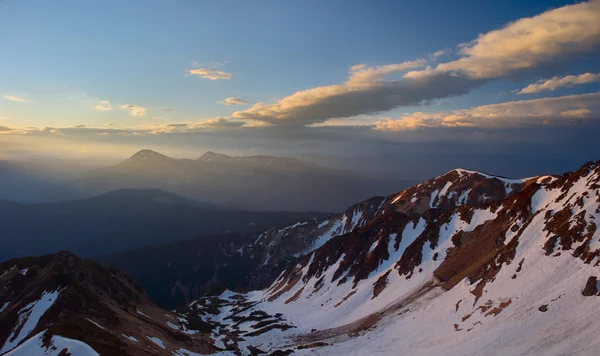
(211, 156)
(146, 154)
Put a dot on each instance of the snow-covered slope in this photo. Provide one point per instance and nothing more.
(465, 263)
(55, 347)
(273, 249)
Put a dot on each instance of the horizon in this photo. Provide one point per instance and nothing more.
(81, 165)
(480, 86)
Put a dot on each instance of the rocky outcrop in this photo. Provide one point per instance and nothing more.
(590, 287)
(62, 296)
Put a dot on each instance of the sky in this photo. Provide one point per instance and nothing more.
(404, 83)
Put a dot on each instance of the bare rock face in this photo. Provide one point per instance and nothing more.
(590, 287)
(62, 296)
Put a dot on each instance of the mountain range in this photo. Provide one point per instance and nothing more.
(249, 183)
(466, 263)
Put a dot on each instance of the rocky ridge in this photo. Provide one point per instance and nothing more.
(463, 263)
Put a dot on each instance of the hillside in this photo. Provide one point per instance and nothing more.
(466, 263)
(175, 274)
(62, 305)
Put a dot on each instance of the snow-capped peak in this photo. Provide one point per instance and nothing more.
(433, 273)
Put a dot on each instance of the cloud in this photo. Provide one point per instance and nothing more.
(217, 122)
(529, 42)
(439, 53)
(536, 111)
(103, 105)
(163, 128)
(210, 65)
(363, 75)
(551, 36)
(558, 82)
(134, 110)
(14, 98)
(480, 122)
(29, 130)
(211, 74)
(357, 98)
(577, 113)
(232, 101)
(203, 125)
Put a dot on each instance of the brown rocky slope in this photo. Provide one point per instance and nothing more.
(62, 297)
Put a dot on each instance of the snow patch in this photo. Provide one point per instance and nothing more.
(432, 198)
(323, 224)
(140, 313)
(294, 226)
(157, 341)
(35, 347)
(130, 338)
(29, 317)
(95, 323)
(462, 200)
(184, 352)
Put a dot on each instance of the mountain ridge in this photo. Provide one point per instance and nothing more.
(443, 264)
(274, 248)
(248, 183)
